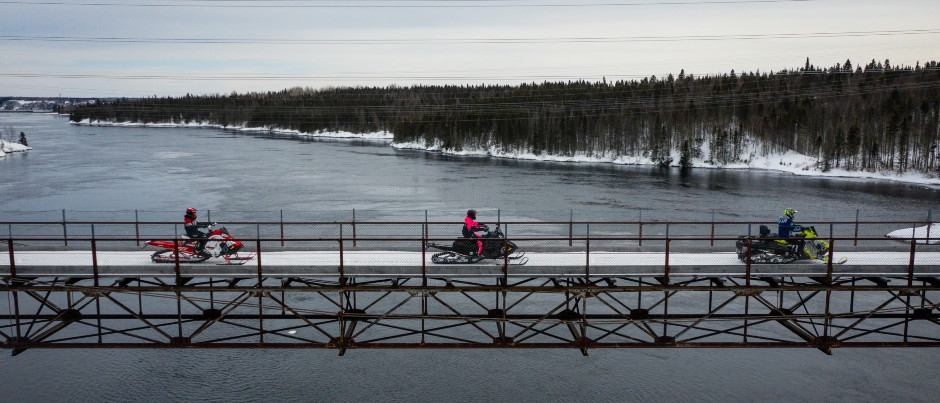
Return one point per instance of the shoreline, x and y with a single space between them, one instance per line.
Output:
206 125
790 162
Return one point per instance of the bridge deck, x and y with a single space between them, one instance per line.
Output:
413 264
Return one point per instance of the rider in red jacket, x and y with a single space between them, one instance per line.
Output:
192 227
471 227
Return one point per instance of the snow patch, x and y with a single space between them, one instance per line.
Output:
7 147
927 234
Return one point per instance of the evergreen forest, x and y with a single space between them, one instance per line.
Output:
877 117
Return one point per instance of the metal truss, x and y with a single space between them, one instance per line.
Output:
347 305
486 312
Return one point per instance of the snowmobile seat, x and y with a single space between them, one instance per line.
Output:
764 231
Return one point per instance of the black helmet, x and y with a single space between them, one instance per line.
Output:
472 214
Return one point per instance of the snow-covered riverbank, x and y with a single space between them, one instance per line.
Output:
790 162
272 130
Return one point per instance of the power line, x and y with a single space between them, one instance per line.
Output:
373 77
419 41
396 4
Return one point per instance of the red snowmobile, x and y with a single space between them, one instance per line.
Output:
218 244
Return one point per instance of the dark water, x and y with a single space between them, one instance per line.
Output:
110 172
105 169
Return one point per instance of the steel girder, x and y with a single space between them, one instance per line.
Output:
357 313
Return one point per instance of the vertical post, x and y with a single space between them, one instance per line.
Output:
424 255
342 274
587 260
137 227
856 227
828 322
260 315
584 323
747 311
282 227
713 227
209 215
179 314
929 224
666 267
571 228
94 255
98 307
505 262
12 260
258 256
907 315
258 248
342 271
641 228
910 267
354 226
747 262
176 258
16 299
666 310
65 233
140 298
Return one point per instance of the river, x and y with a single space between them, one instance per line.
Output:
112 173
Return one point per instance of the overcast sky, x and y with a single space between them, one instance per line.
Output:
104 48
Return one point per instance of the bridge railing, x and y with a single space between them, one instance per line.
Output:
588 249
70 231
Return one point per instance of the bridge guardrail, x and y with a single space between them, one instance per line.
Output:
284 230
584 245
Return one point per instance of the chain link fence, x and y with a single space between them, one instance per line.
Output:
409 229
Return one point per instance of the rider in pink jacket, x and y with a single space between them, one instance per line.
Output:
471 227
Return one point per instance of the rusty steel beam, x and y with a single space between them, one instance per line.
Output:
386 314
343 310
